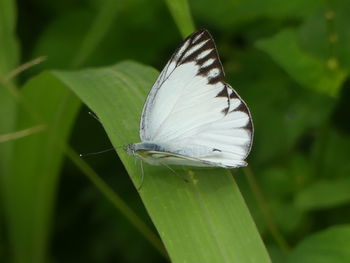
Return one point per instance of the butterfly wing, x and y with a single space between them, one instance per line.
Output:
190 106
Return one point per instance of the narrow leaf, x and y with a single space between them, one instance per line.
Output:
328 246
9 54
97 31
200 219
180 11
310 72
8 62
324 194
30 188
8 43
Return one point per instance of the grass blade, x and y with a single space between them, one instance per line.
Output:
327 246
308 71
101 25
180 11
203 220
30 190
8 43
9 53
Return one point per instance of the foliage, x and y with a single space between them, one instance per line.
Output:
289 62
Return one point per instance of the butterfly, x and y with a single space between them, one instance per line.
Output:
192 116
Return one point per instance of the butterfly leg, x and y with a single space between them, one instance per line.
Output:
142 177
171 169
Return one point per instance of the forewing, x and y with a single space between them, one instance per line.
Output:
177 77
190 104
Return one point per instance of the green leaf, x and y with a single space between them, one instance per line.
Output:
9 49
325 33
102 23
281 183
324 194
230 13
180 11
9 56
29 190
8 62
328 246
59 44
7 120
330 154
7 123
291 109
202 220
84 38
85 34
310 72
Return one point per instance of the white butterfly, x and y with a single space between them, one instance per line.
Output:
191 116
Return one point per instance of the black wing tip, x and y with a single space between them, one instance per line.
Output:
210 45
206 51
199 31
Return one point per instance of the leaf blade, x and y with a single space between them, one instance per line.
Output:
30 190
180 11
327 246
308 71
205 220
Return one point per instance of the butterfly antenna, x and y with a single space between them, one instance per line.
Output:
99 152
93 115
142 177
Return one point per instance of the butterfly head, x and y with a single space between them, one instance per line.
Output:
130 149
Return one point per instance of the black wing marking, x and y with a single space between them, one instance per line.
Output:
200 48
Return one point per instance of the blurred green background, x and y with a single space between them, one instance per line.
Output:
288 60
